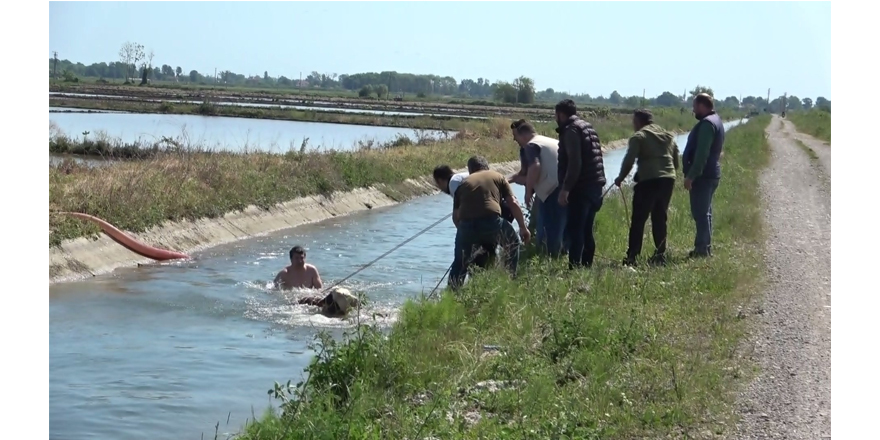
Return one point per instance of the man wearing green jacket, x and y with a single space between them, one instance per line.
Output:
656 151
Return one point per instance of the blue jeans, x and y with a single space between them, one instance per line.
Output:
583 204
701 193
535 221
553 221
472 234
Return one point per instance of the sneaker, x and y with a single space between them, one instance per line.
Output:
629 261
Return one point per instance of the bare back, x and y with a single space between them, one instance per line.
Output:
306 277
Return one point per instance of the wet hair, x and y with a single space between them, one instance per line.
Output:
705 100
644 116
516 124
525 128
443 172
477 163
567 107
297 250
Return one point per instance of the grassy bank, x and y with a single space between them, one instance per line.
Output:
207 108
606 353
816 123
136 195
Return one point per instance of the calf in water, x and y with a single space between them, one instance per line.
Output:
336 304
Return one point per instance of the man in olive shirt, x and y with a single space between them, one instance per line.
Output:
477 216
657 155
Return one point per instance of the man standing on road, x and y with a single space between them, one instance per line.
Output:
477 217
581 173
656 151
702 169
542 160
534 206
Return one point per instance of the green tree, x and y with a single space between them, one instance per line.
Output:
668 99
615 98
381 90
808 103
505 92
823 104
731 102
525 90
178 71
365 91
194 76
701 89
794 103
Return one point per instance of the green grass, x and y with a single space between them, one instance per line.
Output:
605 353
807 149
816 123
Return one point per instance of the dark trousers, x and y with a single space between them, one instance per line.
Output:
650 199
473 234
583 204
701 194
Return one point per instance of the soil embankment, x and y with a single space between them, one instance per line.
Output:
791 397
85 257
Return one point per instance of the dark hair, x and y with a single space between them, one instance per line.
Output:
644 116
516 124
705 100
443 172
525 128
297 250
567 107
477 163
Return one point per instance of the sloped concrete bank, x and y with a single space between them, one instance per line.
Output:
86 257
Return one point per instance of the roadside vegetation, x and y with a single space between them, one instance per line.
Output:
605 353
815 122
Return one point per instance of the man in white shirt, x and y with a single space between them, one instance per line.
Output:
541 159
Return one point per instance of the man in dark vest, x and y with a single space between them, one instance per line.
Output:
581 174
701 163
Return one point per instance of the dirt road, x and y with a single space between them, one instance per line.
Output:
791 397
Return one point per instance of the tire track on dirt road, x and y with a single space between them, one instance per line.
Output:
791 396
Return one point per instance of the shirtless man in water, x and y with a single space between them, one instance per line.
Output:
298 275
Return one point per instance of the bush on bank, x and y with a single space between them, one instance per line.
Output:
815 122
605 353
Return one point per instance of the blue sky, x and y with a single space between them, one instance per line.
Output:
737 48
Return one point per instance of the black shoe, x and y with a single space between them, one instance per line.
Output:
629 261
657 260
695 254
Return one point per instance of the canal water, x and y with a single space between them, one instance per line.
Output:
171 350
226 133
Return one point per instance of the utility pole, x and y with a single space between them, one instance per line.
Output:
215 75
300 80
784 101
55 65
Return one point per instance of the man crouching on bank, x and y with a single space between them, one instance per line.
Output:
476 212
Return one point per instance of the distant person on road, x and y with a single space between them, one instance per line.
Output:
520 179
702 169
477 216
656 153
542 161
336 304
298 275
581 174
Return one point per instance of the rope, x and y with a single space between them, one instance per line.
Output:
389 252
439 282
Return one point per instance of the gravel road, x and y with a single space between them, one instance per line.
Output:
791 397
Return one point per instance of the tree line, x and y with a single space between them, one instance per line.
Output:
135 65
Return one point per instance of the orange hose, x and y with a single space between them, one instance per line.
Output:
129 243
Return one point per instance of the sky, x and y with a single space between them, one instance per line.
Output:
737 48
